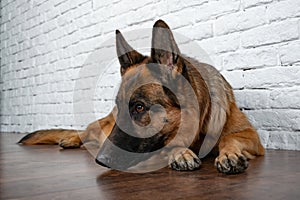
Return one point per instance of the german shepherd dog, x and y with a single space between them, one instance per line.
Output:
179 123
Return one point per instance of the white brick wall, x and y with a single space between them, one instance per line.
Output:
44 43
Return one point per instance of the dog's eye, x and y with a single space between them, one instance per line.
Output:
139 108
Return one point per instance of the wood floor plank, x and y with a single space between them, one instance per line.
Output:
47 172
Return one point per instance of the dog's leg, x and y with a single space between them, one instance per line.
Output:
180 157
235 149
238 143
72 138
66 138
99 130
183 159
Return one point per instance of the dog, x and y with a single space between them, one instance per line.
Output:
167 104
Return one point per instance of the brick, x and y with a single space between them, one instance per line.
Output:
270 34
161 9
283 140
194 50
200 31
83 9
277 140
221 44
252 58
235 78
292 143
239 21
252 3
252 99
283 9
90 31
289 53
46 6
177 5
53 14
215 61
272 77
115 23
214 9
134 4
275 119
181 18
100 110
58 2
34 32
285 98
99 4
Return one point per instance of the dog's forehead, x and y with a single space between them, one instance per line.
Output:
137 75
139 79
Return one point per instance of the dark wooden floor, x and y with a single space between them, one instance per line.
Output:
47 172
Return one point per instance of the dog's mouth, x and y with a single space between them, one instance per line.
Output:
122 163
117 163
113 157
121 151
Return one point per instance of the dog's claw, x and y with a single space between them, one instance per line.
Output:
231 163
184 160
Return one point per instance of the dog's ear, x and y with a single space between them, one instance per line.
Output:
126 54
164 49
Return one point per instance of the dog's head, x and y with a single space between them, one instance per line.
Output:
149 113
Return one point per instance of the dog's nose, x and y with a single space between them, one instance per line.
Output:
103 161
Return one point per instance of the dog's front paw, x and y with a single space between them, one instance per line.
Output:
183 159
231 163
69 143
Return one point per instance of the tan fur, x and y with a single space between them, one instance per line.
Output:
96 131
52 137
